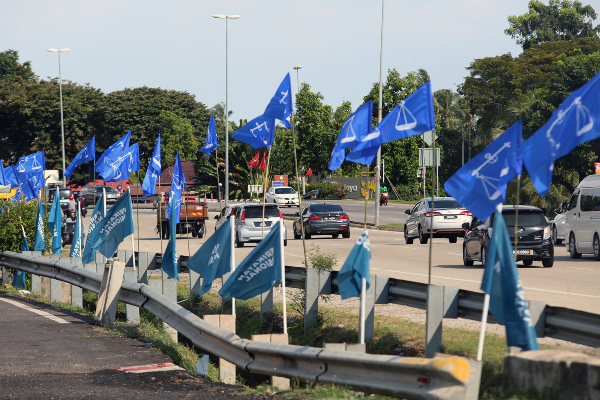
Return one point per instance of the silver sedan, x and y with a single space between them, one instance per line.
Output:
448 217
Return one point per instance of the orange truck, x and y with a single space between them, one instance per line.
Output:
194 214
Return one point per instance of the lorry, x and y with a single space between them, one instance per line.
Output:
194 214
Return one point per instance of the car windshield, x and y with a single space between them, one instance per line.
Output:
285 191
325 208
107 188
256 212
525 218
63 193
444 204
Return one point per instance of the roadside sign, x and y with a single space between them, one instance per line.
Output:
429 137
255 188
277 184
426 157
421 172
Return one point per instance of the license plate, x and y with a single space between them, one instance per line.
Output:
450 216
523 252
330 219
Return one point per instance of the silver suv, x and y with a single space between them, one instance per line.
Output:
248 222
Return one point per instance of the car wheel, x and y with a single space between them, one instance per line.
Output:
422 238
335 235
548 262
572 247
285 242
346 235
483 256
237 242
527 263
555 238
306 234
466 261
453 239
596 247
296 236
407 240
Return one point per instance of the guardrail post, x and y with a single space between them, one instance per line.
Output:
537 309
276 381
126 257
370 310
353 347
317 282
382 289
5 277
195 285
76 291
227 322
435 315
108 299
65 288
147 261
266 303
55 285
36 280
132 312
451 301
169 290
225 301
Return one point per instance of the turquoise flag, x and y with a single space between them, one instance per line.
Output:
77 236
169 260
89 254
39 242
55 223
355 268
19 278
116 226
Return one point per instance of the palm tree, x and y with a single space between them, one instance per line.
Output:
448 109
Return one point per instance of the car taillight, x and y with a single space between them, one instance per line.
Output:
280 214
243 217
428 213
231 213
345 216
467 213
314 218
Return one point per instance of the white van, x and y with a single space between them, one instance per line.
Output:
582 226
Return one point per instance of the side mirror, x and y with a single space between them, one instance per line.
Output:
564 205
297 214
407 212
465 225
216 217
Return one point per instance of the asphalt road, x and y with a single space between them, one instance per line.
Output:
570 283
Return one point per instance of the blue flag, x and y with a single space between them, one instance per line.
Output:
355 128
412 116
258 133
177 184
89 253
259 270
10 174
116 226
77 241
575 121
153 171
355 268
480 185
507 299
112 152
120 168
36 182
219 246
211 137
55 225
28 165
169 260
86 154
39 242
27 191
3 180
280 107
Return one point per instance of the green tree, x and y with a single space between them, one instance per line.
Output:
559 20
12 70
177 136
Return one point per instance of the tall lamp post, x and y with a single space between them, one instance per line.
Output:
379 110
297 68
226 18
62 124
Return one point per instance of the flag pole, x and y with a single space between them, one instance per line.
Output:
517 216
218 183
132 235
281 229
158 210
366 196
363 295
432 208
265 192
187 225
138 213
232 265
298 189
484 315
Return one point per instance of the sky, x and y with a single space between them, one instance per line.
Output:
176 44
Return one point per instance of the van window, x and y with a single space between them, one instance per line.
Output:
573 202
596 200
587 200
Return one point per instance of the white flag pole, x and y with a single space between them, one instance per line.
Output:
232 266
363 295
282 229
484 315
132 235
80 227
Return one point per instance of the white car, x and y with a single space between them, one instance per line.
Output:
282 196
448 220
558 228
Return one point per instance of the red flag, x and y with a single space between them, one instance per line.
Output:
263 163
254 162
309 172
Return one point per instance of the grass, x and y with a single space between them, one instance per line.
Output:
391 227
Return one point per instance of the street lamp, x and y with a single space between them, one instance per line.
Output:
226 18
298 67
62 125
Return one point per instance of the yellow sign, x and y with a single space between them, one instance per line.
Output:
8 195
368 188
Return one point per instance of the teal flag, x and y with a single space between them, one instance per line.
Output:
19 278
39 242
89 254
77 236
116 226
55 224
355 268
169 260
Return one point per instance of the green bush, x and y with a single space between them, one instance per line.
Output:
12 216
329 190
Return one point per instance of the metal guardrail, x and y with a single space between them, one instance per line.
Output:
443 377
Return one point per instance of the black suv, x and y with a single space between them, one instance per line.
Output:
535 239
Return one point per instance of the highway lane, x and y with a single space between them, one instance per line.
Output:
570 283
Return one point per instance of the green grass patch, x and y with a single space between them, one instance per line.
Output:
393 227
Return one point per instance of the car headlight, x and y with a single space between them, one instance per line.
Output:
546 233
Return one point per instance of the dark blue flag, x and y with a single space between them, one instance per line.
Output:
19 278
211 137
36 182
259 270
10 174
220 248
39 242
177 184
112 152
280 107
169 260
575 121
89 253
86 154
356 267
55 224
507 299
28 165
27 190
3 180
116 226
258 133
153 171
480 185
412 116
355 128
120 168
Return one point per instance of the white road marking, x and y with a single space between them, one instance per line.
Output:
294 255
36 311
587 269
454 254
528 288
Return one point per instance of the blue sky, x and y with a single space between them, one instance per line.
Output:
178 45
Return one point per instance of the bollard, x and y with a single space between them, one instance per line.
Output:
276 381
132 312
227 322
435 315
108 299
266 303
76 291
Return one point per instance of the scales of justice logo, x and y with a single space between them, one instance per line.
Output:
260 127
490 183
405 120
22 165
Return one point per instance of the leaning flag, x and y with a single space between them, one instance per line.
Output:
263 163
571 124
10 174
356 267
177 185
480 185
77 241
116 226
259 270
355 128
86 154
120 168
258 133
211 137
153 171
255 160
39 242
309 172
219 246
412 116
280 107
501 281
113 151
169 260
54 225
29 165
89 254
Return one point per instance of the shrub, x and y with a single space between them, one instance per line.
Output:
329 190
13 214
